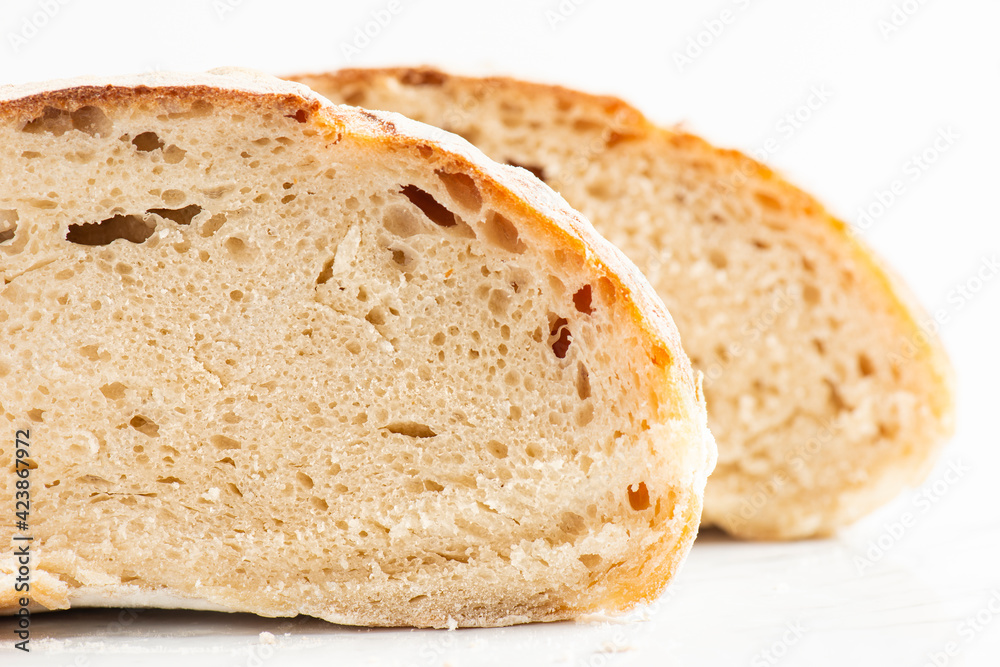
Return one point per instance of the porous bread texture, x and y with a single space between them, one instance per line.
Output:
827 392
283 357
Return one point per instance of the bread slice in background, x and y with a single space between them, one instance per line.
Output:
283 357
824 393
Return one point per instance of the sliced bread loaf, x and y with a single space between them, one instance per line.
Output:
277 356
825 393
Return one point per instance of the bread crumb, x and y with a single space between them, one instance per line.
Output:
452 623
266 638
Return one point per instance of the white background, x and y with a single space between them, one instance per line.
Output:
881 93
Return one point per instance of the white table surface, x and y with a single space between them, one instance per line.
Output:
877 594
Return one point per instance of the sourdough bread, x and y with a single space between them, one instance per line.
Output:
284 357
824 393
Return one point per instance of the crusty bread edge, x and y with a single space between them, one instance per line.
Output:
512 186
913 329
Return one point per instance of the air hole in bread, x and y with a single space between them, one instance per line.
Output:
132 228
198 109
462 189
301 116
582 382
502 233
212 225
767 201
402 222
497 449
239 249
182 216
403 257
810 294
36 415
411 429
499 302
717 259
888 431
89 120
639 497
836 399
591 561
304 480
560 337
169 480
8 224
376 316
144 425
430 207
92 352
326 272
224 442
147 142
865 365
53 121
538 172
172 154
431 485
583 300
113 391
572 523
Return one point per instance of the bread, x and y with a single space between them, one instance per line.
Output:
827 390
284 357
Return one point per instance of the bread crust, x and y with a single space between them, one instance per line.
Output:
672 378
935 385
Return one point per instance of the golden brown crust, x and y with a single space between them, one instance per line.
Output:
672 375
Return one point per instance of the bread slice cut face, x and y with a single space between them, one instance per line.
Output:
828 390
284 357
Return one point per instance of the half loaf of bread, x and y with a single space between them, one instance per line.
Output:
826 391
278 356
